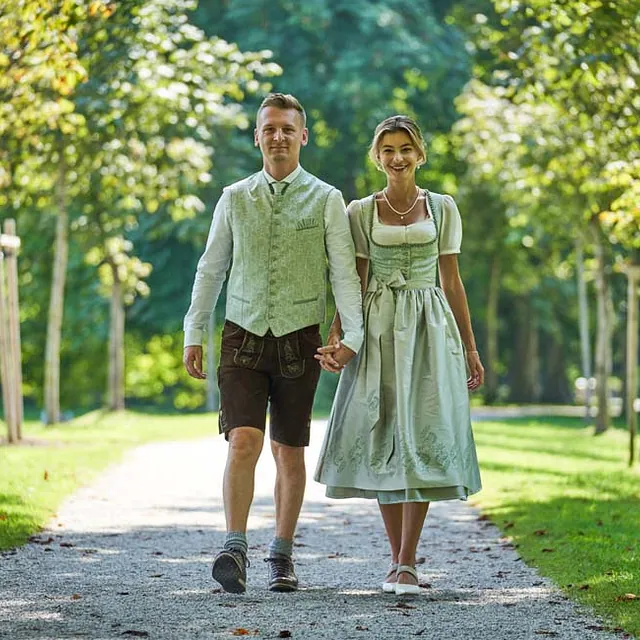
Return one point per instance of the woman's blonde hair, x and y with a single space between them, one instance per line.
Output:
391 125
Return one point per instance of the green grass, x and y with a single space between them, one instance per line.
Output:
570 504
53 462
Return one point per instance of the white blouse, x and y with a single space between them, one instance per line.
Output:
420 232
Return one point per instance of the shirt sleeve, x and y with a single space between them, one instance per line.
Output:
450 227
344 278
354 211
210 274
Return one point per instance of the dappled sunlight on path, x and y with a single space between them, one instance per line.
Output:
130 556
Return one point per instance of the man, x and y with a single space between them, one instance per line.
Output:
278 228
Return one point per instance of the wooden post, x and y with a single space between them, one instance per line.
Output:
633 281
14 324
10 368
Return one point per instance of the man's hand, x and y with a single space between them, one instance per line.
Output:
192 359
334 357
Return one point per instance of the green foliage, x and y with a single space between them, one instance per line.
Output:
134 137
138 111
561 96
352 64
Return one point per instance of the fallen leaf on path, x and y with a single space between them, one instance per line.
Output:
628 597
401 605
285 633
76 596
245 632
362 628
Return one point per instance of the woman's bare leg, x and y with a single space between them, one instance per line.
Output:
413 516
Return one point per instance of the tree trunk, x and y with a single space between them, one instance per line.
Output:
525 368
585 342
602 335
56 307
491 360
115 392
633 275
555 388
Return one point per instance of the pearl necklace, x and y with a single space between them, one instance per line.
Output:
402 214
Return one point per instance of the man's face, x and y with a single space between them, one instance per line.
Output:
280 134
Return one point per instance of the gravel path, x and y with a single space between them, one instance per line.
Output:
130 557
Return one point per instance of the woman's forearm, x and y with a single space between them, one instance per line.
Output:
457 298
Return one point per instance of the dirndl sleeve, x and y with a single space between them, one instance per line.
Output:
451 227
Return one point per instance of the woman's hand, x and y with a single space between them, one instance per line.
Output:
334 357
476 370
326 354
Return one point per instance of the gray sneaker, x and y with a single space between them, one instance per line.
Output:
230 570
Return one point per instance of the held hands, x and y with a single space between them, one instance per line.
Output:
192 360
335 355
476 370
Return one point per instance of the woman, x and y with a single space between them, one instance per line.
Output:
400 430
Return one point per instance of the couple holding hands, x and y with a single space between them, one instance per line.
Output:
399 429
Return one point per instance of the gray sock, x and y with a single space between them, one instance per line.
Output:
236 540
281 547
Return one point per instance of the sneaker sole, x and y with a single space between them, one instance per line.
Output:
225 571
282 587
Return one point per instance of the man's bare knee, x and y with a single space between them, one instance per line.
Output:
288 458
245 443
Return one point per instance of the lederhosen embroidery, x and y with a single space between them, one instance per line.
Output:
290 356
248 355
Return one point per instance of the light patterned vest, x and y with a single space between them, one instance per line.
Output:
279 264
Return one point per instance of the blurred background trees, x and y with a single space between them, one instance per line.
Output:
122 121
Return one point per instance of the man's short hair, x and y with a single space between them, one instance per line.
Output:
283 101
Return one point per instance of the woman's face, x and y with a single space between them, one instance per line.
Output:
397 155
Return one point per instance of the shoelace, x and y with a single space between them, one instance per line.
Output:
242 556
281 564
